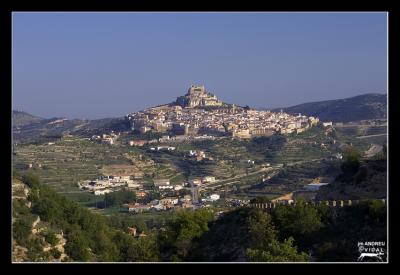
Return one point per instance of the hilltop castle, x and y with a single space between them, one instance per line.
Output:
197 96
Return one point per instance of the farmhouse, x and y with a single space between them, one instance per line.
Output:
161 182
138 208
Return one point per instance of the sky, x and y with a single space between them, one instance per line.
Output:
97 65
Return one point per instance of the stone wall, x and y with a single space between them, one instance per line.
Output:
339 203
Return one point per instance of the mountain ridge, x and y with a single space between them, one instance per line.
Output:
360 107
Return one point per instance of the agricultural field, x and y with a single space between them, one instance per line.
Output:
239 166
63 164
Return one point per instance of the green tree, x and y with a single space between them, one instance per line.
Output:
105 249
377 210
182 228
119 197
51 238
35 250
143 250
77 246
55 253
351 163
298 221
277 252
31 180
22 231
265 246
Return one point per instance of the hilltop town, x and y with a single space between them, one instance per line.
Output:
199 112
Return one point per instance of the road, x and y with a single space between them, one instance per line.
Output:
236 178
378 135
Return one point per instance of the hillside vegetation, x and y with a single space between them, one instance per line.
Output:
28 128
370 181
288 233
362 107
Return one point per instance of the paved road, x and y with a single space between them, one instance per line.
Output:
372 136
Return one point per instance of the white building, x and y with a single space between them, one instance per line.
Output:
161 182
178 187
214 197
163 187
208 179
102 192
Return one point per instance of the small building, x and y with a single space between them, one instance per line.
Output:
208 179
186 204
144 129
101 192
138 208
214 197
163 187
195 181
178 187
140 194
137 142
168 201
161 182
159 207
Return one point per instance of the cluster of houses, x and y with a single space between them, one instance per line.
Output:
163 148
199 155
169 203
106 139
107 184
170 139
201 181
163 184
227 119
162 204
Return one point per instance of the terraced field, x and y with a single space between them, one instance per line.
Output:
362 136
64 163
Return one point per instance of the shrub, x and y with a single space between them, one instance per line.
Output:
51 238
21 231
31 180
55 253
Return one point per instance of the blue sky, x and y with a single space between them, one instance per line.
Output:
95 65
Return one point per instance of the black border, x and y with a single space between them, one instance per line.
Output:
8 6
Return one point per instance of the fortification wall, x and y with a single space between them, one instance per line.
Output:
338 203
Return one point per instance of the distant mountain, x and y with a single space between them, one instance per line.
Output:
30 128
20 118
367 106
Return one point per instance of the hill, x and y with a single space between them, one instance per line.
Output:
20 118
367 106
291 233
48 227
29 128
370 181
